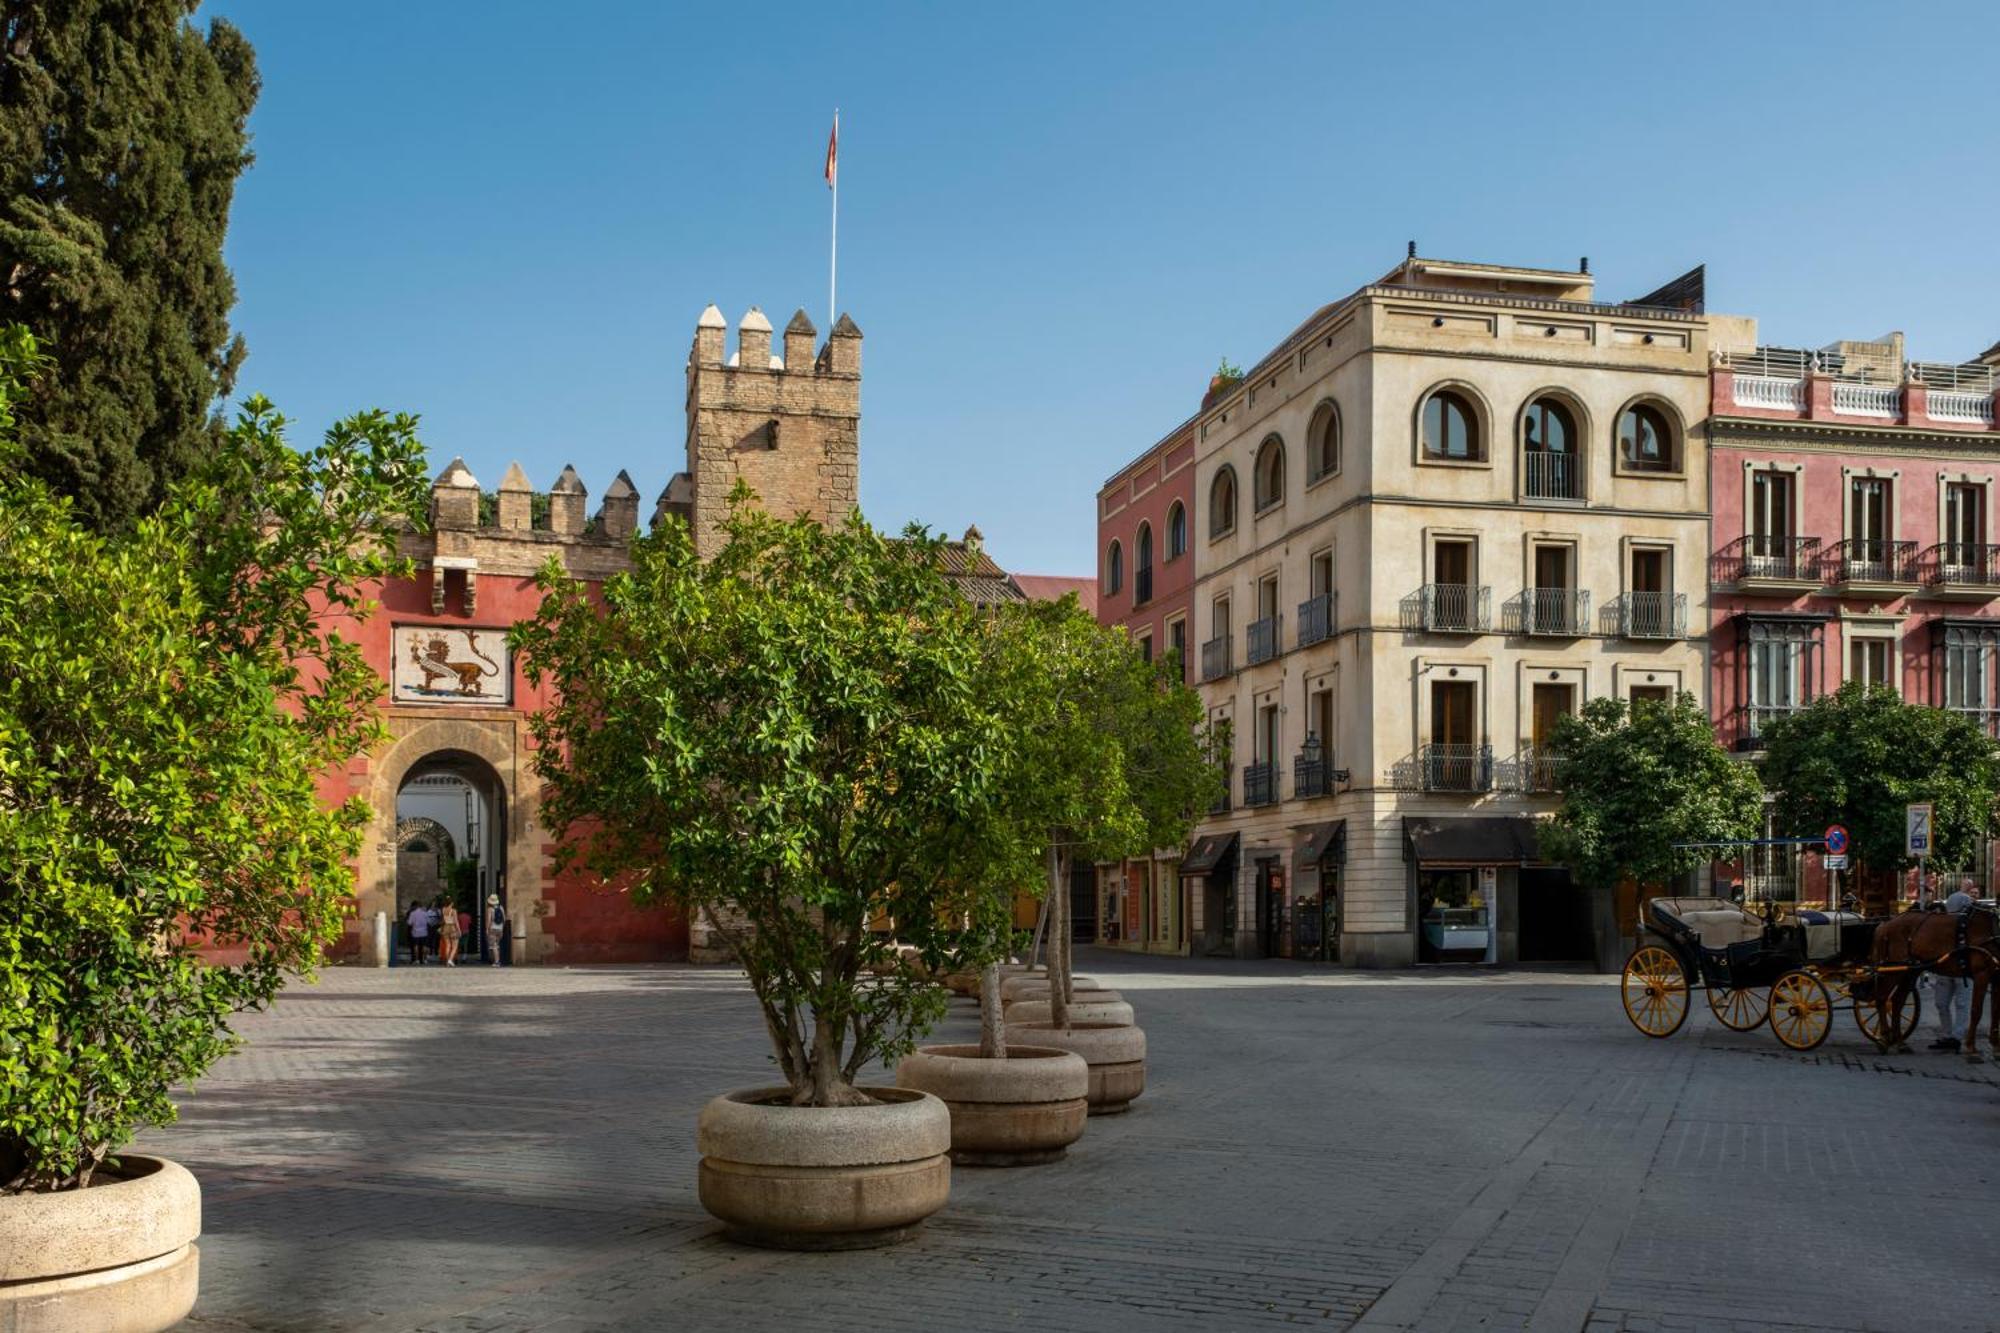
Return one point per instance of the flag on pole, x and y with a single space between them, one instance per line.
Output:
833 152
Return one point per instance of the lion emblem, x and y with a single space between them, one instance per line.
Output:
433 658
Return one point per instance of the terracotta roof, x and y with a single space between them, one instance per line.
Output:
976 575
1054 587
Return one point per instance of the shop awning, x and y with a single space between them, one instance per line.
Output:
1493 840
1325 844
1208 853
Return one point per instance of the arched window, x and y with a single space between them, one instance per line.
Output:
1270 474
1451 428
1646 440
1114 570
1550 466
1176 531
1222 504
1323 442
1142 567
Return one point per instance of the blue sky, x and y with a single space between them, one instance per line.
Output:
1054 218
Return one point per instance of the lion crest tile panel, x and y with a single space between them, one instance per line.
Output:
451 664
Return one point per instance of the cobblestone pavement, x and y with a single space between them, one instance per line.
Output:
473 1151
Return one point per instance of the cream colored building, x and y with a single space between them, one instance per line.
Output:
1448 508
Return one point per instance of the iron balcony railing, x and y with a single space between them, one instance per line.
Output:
1961 564
1653 615
1309 775
1456 767
1555 611
1872 560
1260 640
1455 608
1215 662
1760 556
1757 719
1316 619
1260 784
1220 806
1538 769
1547 476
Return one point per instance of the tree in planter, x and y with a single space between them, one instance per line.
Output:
795 738
1115 761
168 699
1858 756
1635 780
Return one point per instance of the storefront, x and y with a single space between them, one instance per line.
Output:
1473 882
1316 883
1209 872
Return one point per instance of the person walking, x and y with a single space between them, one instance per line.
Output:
448 933
496 929
419 921
1952 995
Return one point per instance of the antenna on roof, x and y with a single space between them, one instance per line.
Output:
1584 264
1413 249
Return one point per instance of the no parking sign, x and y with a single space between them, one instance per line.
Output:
1836 840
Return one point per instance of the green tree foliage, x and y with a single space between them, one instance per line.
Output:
122 133
1635 780
1858 756
169 696
800 739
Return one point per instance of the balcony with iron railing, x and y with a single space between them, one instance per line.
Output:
1215 658
1449 608
1652 615
1760 562
1553 612
1260 784
1551 476
1867 562
1312 771
1315 619
1456 768
1537 769
1754 720
1966 570
1261 640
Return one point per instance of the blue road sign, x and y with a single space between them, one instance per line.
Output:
1836 840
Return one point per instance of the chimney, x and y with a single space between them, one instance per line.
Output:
455 497
566 500
799 338
753 341
618 518
517 512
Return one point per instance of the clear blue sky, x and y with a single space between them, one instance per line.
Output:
1055 219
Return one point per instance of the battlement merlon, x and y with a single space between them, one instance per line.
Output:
840 357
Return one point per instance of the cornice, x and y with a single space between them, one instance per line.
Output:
1846 437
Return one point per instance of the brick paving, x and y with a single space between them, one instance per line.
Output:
479 1151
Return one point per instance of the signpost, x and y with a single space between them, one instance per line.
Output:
1917 838
1836 860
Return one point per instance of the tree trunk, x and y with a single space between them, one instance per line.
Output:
1059 943
1041 927
1068 929
992 1026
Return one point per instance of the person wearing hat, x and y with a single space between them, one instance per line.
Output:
496 928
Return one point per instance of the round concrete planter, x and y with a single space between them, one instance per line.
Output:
824 1177
1035 986
1085 1006
118 1257
1025 1109
1115 1053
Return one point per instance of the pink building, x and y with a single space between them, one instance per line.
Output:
1854 537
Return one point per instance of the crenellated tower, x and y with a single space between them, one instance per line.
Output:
786 423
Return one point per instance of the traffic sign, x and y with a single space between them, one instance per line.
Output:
1917 829
1836 840
1836 860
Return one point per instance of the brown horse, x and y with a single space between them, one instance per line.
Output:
1922 941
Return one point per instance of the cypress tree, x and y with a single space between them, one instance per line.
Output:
122 133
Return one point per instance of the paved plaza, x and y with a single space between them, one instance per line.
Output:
472 1151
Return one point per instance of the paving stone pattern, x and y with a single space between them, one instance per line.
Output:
484 1151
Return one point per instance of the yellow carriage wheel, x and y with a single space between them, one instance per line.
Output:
1875 1028
1801 1011
1739 1010
1655 991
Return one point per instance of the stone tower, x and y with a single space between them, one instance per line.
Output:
786 423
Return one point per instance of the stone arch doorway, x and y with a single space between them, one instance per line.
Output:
452 804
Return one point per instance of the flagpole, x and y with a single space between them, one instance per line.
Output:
833 254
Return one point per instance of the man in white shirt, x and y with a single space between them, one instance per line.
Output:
420 931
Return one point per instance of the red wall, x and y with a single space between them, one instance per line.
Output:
1143 493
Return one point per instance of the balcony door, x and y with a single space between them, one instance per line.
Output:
1451 579
1649 611
1451 713
1550 704
1322 573
1965 525
1552 589
1319 718
1868 524
1771 516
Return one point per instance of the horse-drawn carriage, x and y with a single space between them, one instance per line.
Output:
1753 968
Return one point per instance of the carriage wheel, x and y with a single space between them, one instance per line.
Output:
1739 1010
1655 991
1801 1011
1913 1010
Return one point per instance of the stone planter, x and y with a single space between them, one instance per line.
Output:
1115 1053
118 1257
824 1177
1025 1109
1035 986
1085 1006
